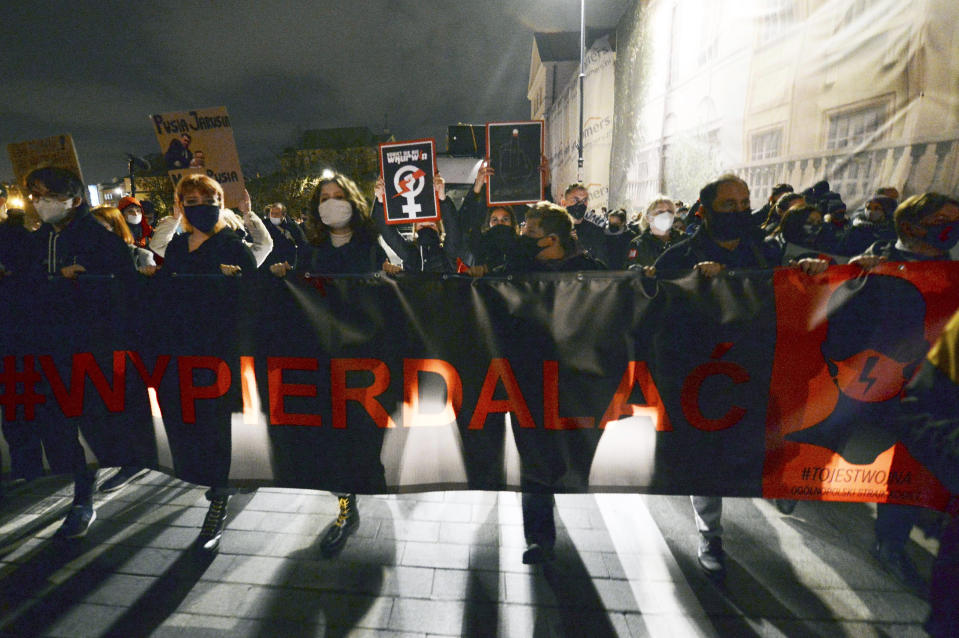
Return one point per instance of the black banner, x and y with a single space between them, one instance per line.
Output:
563 382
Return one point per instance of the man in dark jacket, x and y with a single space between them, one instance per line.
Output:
927 226
289 242
68 243
728 238
548 246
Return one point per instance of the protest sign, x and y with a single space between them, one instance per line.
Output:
407 169
514 151
50 151
201 141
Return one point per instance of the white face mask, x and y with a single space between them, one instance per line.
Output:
52 210
134 219
662 222
276 221
336 213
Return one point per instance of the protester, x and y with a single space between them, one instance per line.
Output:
289 242
341 234
874 223
778 210
800 234
114 221
15 245
728 238
487 234
206 247
140 229
761 215
548 246
929 430
426 252
71 242
659 233
344 240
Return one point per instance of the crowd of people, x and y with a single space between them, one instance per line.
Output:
344 233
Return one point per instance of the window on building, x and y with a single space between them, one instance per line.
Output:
854 179
766 145
852 128
777 17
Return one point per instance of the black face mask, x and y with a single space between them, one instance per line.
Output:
729 226
428 237
528 248
942 236
500 238
577 211
614 229
203 217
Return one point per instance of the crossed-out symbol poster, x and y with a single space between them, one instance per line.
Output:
407 169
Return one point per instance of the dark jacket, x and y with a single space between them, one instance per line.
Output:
17 251
222 248
645 249
82 241
359 256
289 244
572 263
888 249
416 257
751 253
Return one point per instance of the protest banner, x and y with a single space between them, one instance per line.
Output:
407 169
762 383
201 141
514 151
50 151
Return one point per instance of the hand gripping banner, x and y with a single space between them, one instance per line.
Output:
766 383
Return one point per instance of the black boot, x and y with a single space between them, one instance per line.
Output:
209 539
339 530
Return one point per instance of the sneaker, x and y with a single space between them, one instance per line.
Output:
711 556
339 530
77 522
895 561
786 505
126 475
209 538
536 554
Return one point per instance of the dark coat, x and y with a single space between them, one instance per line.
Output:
82 241
225 247
751 253
289 244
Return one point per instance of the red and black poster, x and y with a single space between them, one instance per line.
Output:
407 169
515 152
762 383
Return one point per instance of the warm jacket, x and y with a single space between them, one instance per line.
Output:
222 248
82 241
751 253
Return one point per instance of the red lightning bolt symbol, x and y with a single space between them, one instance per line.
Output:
407 182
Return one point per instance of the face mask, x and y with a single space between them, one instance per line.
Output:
203 217
810 229
52 210
134 219
614 229
335 213
942 236
528 247
428 237
578 211
276 221
662 223
874 215
728 226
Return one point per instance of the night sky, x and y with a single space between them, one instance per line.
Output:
96 70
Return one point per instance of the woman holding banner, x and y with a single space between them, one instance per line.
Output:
343 240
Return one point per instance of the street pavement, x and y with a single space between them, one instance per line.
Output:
440 564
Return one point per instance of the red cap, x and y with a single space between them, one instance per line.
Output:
129 201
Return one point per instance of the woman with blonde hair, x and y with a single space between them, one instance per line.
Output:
114 221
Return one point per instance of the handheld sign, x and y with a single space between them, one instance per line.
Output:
407 169
514 152
50 151
201 141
